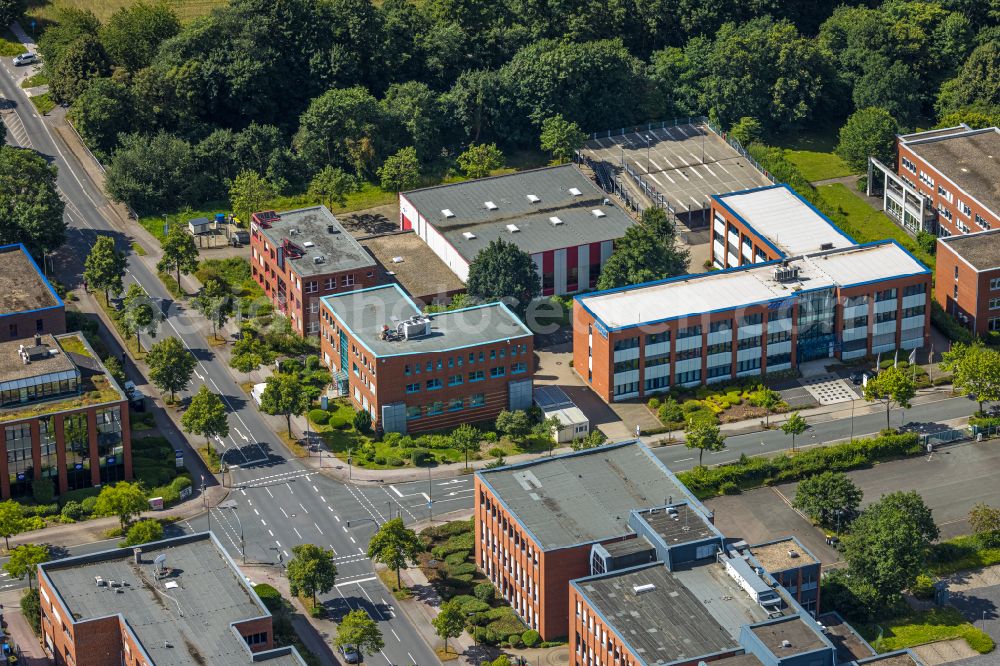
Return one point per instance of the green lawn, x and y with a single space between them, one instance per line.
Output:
44 103
961 554
864 223
9 45
39 79
815 165
926 627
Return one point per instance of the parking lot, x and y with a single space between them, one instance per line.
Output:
685 163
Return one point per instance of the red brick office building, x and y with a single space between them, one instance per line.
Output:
114 608
794 289
967 281
944 181
299 256
415 372
536 522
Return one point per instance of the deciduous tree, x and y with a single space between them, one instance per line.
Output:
249 192
648 251
504 272
767 399
206 416
215 302
170 365
11 520
479 160
400 171
284 395
892 386
24 561
180 254
795 425
32 211
465 438
975 370
869 132
332 185
249 353
888 544
358 630
132 35
516 424
144 531
828 494
449 622
311 570
704 437
104 109
124 500
985 523
104 267
395 546
83 61
138 314
561 137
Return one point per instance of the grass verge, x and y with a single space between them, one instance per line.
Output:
922 627
388 578
815 165
39 79
44 103
138 249
961 554
170 282
134 350
864 223
211 458
10 46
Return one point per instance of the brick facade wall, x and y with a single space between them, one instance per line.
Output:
950 216
302 293
23 325
963 291
385 380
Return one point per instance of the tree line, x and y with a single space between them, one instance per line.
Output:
289 88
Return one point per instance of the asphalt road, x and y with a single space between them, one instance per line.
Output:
283 503
921 418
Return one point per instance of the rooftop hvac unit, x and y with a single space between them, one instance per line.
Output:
415 327
447 212
575 191
397 260
792 554
332 229
512 228
293 231
533 198
555 221
598 213
319 259
642 589
786 644
309 244
785 273
468 235
826 246
490 205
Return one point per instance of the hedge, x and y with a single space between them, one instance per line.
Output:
752 472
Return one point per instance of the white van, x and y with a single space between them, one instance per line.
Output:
257 392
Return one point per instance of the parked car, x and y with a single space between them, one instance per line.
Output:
351 655
136 399
25 59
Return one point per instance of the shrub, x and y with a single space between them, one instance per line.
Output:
653 404
33 523
319 416
515 641
420 457
379 460
270 596
362 421
394 461
456 558
923 587
496 452
31 609
41 510
73 511
461 569
491 436
88 503
485 592
337 422
144 531
692 406
531 638
729 488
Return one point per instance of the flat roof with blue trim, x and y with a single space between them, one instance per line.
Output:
366 311
757 284
23 287
784 219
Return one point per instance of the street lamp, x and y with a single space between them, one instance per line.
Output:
231 504
648 162
349 472
208 508
430 497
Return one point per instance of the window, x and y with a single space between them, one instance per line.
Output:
625 366
412 413
687 377
720 348
256 639
886 295
720 370
433 384
689 354
750 343
724 325
915 289
499 371
778 359
653 361
109 445
654 338
955 292
882 317
435 408
312 287
914 311
657 383
626 388
329 284
908 165
856 322
993 324
347 280
406 369
455 404
476 376
995 304
964 208
626 343
455 380
779 336
12 330
518 368
413 388
981 221
430 366
39 325
688 332
477 400
749 364
493 354
20 464
752 320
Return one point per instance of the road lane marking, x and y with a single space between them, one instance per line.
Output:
303 507
352 539
269 492
283 511
315 489
355 582
395 634
295 529
317 528
271 533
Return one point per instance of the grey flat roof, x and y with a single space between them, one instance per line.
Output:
970 159
364 312
684 526
583 497
193 617
738 660
982 249
803 638
536 231
311 225
628 546
421 272
45 363
682 617
23 288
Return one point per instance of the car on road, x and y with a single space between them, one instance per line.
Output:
351 655
25 59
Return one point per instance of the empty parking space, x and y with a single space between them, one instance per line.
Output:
685 163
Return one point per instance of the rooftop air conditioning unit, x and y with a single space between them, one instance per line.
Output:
826 246
319 259
293 231
792 554
642 589
414 327
309 244
397 260
331 229
785 273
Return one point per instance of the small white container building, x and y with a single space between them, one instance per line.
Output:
553 401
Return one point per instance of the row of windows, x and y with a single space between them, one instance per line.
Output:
459 361
414 412
981 221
